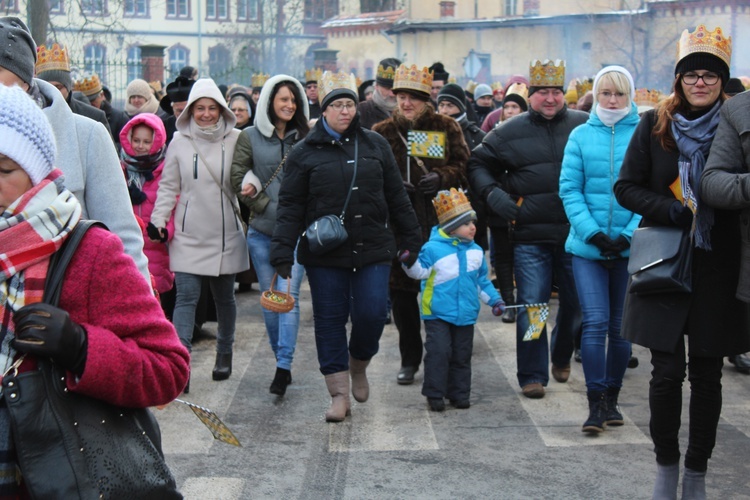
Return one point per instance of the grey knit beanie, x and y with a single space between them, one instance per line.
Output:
27 135
17 48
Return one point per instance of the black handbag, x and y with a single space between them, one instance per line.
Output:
327 233
73 446
660 260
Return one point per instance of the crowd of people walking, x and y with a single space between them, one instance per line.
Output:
387 199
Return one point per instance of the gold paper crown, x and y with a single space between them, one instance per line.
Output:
471 86
331 81
388 72
52 58
547 73
520 89
313 75
450 204
496 86
646 97
90 86
583 86
259 80
701 40
413 78
451 79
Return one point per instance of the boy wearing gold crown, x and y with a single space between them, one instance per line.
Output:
452 269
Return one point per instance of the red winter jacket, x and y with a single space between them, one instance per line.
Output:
135 358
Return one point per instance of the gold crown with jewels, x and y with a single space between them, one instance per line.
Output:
583 85
388 72
471 86
313 75
51 58
90 86
413 78
259 80
450 204
646 97
702 40
547 73
331 81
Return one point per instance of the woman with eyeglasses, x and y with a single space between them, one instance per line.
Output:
242 106
660 180
341 166
599 239
258 168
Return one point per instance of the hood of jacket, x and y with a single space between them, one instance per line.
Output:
205 87
262 114
439 236
151 121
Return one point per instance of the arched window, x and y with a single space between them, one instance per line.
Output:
135 68
179 57
219 61
95 60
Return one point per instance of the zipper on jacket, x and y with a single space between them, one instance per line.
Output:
184 215
221 196
195 165
611 183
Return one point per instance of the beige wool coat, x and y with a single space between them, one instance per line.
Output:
208 238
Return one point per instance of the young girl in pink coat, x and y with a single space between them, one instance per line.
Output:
143 140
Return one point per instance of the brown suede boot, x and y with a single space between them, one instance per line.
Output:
338 388
360 386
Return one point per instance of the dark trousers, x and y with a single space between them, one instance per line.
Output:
665 401
405 311
503 261
447 360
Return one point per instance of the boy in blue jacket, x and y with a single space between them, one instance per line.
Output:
454 277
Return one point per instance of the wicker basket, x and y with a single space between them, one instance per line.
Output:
275 301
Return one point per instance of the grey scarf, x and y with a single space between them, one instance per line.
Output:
694 138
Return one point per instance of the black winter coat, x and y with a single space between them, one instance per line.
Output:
370 114
523 157
317 177
715 322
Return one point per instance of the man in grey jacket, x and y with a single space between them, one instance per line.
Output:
85 152
725 184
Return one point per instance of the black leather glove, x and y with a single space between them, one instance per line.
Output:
47 331
621 243
680 215
284 270
603 242
502 204
429 183
410 189
408 258
157 234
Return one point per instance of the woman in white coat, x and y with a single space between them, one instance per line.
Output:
208 240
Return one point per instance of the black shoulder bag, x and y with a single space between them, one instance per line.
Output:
71 446
327 233
660 260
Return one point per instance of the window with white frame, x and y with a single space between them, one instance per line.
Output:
217 9
247 10
93 7
135 67
178 9
510 7
56 7
219 61
8 7
179 57
94 60
136 8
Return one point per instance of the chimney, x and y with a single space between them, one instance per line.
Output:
447 9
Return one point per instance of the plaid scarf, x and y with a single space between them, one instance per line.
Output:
31 230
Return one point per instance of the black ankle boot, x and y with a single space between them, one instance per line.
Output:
509 316
282 379
222 367
597 412
613 415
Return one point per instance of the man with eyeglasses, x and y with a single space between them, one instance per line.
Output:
516 170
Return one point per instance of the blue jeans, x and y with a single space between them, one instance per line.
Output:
189 291
535 268
338 293
602 286
281 328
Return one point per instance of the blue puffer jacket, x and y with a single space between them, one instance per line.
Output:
590 168
454 279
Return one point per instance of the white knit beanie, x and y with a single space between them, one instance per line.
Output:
26 134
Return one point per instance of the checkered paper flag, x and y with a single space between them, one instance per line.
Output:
214 424
538 314
426 144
